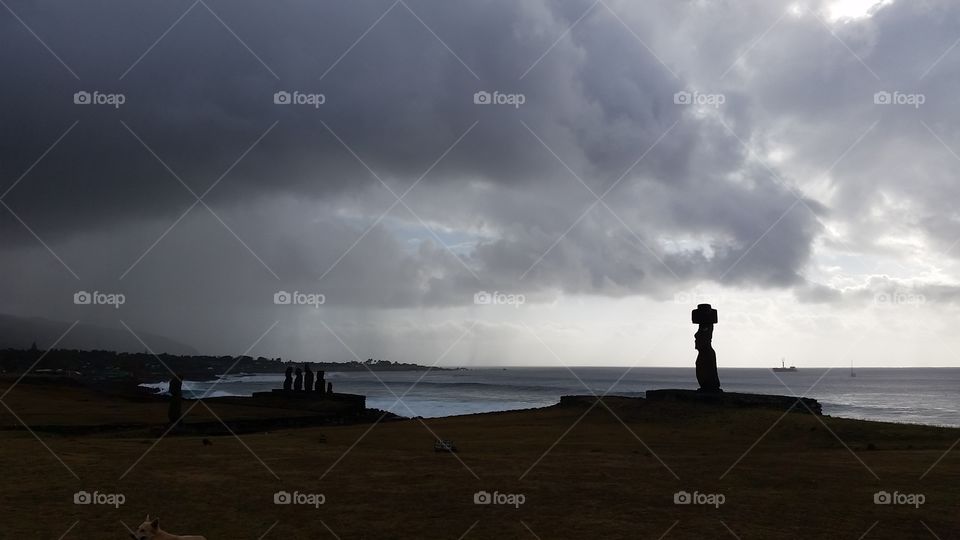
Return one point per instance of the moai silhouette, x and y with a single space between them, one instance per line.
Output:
321 384
307 378
707 376
298 381
176 396
288 378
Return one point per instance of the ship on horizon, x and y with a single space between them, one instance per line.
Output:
783 367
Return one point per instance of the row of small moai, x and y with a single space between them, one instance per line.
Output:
304 381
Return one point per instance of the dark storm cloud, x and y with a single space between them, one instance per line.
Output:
698 206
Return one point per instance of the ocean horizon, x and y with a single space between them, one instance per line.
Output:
928 396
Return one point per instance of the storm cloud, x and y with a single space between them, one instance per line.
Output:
656 146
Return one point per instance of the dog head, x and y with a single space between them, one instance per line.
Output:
147 530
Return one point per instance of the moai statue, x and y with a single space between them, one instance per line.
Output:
288 378
307 378
176 395
705 317
329 388
321 384
298 381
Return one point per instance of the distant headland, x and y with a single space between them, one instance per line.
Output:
98 364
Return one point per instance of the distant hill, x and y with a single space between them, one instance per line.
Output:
21 332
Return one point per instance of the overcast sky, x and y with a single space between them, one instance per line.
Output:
603 165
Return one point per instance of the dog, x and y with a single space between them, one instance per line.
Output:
150 530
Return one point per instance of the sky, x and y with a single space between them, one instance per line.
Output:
487 182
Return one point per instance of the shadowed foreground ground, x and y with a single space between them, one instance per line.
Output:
385 481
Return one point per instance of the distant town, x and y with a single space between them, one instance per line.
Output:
149 367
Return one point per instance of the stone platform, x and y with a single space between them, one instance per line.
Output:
353 403
735 399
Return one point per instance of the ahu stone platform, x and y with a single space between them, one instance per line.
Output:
320 401
735 399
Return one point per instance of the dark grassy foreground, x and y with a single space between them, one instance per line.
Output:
598 481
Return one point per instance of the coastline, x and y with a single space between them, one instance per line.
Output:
917 396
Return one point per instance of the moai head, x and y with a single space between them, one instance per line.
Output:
706 317
704 314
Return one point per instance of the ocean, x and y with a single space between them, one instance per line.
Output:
908 395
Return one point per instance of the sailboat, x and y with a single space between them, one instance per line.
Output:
783 367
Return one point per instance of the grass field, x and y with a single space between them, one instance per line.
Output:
597 474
